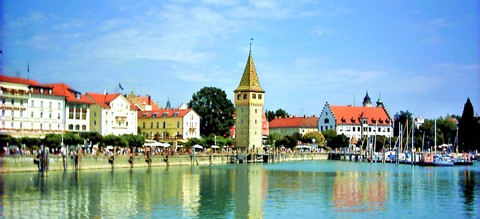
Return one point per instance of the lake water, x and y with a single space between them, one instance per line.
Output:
306 189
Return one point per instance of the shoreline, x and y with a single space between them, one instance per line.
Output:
24 163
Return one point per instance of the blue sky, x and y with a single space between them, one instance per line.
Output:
420 56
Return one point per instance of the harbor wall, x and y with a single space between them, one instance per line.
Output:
25 163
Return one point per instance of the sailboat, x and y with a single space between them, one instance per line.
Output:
435 159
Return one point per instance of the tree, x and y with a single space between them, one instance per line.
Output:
53 140
329 135
215 111
402 118
274 138
319 138
280 113
339 141
72 139
134 140
93 137
467 128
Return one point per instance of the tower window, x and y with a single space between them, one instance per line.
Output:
254 96
244 96
239 96
259 96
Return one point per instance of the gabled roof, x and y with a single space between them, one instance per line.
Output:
69 93
102 100
163 113
295 122
18 80
249 81
353 114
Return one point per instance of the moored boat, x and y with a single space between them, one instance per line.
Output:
435 160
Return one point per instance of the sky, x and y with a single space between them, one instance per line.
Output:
421 56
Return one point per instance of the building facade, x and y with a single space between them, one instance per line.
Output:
249 100
357 121
169 124
112 114
291 125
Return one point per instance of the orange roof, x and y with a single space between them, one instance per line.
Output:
102 100
293 122
353 114
163 113
18 80
69 93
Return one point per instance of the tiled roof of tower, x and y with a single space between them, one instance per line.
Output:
102 99
292 122
249 81
69 93
351 115
163 113
18 80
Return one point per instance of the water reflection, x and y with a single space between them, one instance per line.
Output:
358 192
328 189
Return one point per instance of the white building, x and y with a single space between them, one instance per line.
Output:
112 114
357 121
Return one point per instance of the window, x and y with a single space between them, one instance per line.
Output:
259 96
31 115
21 102
58 105
41 114
70 127
151 125
178 124
77 127
84 128
154 115
326 120
50 105
84 114
244 96
158 125
239 96
254 96
3 100
13 101
163 125
77 113
41 104
58 116
94 123
50 115
143 125
70 113
32 103
164 114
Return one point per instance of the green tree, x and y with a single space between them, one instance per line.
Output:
134 140
274 138
402 118
93 137
281 113
53 140
215 111
72 139
329 135
467 129
339 141
319 138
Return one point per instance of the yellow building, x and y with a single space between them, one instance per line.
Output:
169 124
249 102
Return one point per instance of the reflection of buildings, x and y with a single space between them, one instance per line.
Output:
191 195
358 192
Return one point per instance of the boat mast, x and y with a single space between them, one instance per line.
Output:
435 141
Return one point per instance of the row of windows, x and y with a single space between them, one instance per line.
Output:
32 114
12 125
254 96
77 113
77 127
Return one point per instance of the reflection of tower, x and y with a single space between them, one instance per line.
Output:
249 101
249 193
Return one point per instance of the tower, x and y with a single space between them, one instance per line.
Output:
249 102
367 102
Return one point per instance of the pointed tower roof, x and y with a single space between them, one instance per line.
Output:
249 80
366 100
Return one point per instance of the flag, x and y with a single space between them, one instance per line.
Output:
120 86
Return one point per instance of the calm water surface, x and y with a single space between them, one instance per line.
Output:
307 189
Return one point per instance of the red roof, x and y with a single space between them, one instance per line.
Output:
353 114
294 122
163 113
18 80
69 93
102 99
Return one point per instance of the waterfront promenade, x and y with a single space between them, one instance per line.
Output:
24 163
